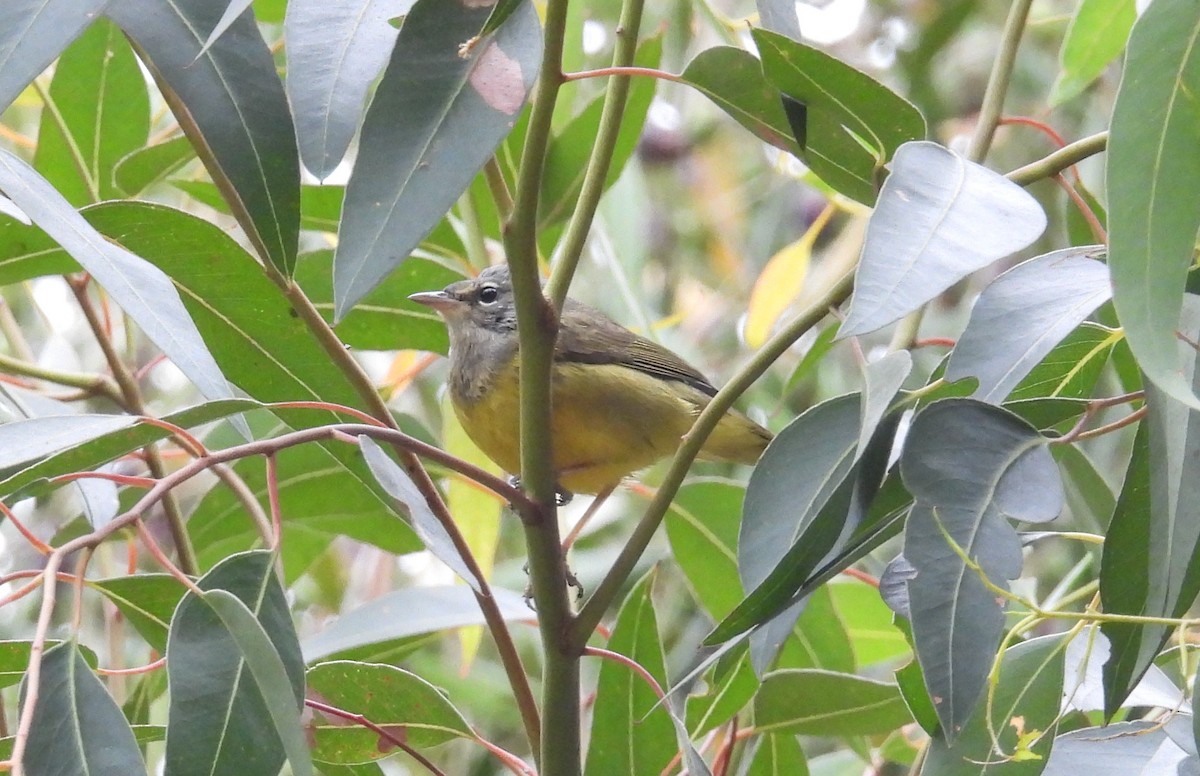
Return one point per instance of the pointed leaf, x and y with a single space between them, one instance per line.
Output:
1023 314
938 219
1151 560
824 703
219 719
969 465
142 290
1095 37
33 33
882 379
233 9
398 701
1141 748
99 112
401 488
843 110
1154 204
627 735
733 79
435 119
335 51
147 166
232 107
1026 703
409 612
77 726
147 601
25 441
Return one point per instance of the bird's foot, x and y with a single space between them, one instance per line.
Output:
562 496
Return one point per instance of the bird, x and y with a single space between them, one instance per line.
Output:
620 402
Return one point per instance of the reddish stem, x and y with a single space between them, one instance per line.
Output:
629 663
273 501
608 71
359 719
120 479
157 664
37 543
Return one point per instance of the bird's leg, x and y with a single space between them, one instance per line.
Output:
588 514
562 496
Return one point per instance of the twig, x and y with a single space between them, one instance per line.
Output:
997 86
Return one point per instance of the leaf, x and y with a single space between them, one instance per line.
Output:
969 465
1151 560
435 119
98 112
779 16
145 167
269 673
1070 371
1095 37
147 601
233 9
232 107
631 731
142 291
408 612
1023 314
65 446
1141 748
398 701
1026 701
777 755
430 530
1150 174
219 720
14 659
33 33
882 379
702 526
385 319
1084 690
868 622
917 246
733 79
778 285
851 123
335 50
77 726
824 703
728 692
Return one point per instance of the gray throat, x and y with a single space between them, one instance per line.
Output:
476 358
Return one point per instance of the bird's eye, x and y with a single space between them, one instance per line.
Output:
488 294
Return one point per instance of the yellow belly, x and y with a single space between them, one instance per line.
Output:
607 422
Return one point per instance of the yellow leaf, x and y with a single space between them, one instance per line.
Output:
475 510
781 282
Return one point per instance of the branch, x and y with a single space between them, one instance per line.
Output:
1053 164
997 87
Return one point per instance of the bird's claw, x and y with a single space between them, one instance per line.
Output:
562 496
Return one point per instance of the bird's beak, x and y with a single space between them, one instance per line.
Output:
438 300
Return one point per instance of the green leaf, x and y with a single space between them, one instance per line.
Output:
145 167
219 720
914 248
1151 560
728 692
825 703
396 700
843 109
702 526
1154 204
1071 370
141 290
1095 38
436 118
77 726
627 735
26 252
1023 314
147 601
269 673
98 111
33 33
14 659
969 465
83 442
778 755
230 103
733 79
868 622
335 52
385 319
405 613
1025 707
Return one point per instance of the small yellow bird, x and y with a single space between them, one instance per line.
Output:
621 402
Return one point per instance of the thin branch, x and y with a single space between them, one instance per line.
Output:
997 86
622 70
92 383
1052 164
379 730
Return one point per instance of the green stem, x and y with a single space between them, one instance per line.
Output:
607 591
997 86
341 357
95 384
499 188
131 400
537 328
1049 166
594 179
